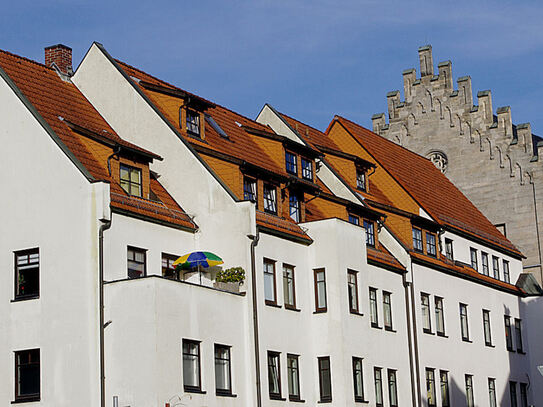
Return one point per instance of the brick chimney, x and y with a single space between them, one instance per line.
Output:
61 56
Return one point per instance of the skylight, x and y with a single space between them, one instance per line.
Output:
217 128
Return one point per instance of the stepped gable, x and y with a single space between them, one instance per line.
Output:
421 179
86 134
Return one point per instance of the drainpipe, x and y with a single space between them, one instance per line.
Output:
254 242
409 339
103 227
415 337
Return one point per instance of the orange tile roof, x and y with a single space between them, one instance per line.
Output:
282 226
382 256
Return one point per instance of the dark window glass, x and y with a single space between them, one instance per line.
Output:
444 383
131 180
473 256
373 308
274 375
320 290
294 207
358 379
496 267
440 318
431 248
417 240
484 263
27 375
27 274
486 328
370 233
290 162
289 293
513 393
506 277
307 169
223 377
352 290
325 379
378 381
270 201
136 262
492 392
354 219
469 390
269 282
249 189
387 311
191 365
430 387
464 322
168 269
518 335
392 388
193 123
361 180
523 395
449 249
508 333
293 372
426 318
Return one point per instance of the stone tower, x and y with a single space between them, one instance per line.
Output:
495 163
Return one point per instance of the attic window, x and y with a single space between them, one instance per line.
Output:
307 169
131 180
290 162
216 127
361 179
193 123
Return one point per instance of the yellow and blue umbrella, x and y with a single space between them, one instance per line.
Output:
197 259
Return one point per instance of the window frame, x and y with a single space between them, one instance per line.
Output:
358 398
228 391
197 123
129 169
431 244
444 388
374 309
128 260
270 201
418 245
518 335
387 311
248 193
361 180
266 261
474 259
291 164
350 287
305 169
355 220
17 374
470 399
523 394
492 392
290 376
277 357
169 257
369 227
496 267
449 249
26 253
426 317
392 387
508 333
323 397
296 215
513 393
431 395
316 288
187 388
464 316
487 326
484 263
440 316
289 305
378 386
506 273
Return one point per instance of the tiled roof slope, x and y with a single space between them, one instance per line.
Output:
428 186
61 104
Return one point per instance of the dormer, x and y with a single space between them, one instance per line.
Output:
362 168
192 121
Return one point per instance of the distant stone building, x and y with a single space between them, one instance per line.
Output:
496 163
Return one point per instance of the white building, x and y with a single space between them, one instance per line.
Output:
328 313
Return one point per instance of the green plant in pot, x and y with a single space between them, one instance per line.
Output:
231 275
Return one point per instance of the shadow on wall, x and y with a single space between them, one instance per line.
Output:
457 394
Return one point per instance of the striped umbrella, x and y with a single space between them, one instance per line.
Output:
197 260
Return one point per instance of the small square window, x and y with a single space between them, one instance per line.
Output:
136 262
27 375
131 180
27 274
193 123
354 219
168 269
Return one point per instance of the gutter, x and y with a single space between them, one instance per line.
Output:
254 243
103 227
409 339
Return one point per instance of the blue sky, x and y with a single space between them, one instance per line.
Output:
308 58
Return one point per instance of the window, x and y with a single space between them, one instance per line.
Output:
484 263
131 180
294 207
392 388
469 390
444 383
440 318
373 308
518 335
492 392
473 254
223 377
168 269
430 387
270 293
464 322
361 180
27 375
270 202
307 169
249 189
417 240
449 249
191 366
290 162
387 311
426 320
508 333
289 295
274 375
352 289
354 219
293 373
27 274
320 290
486 328
193 123
496 267
378 381
358 379
513 393
325 379
431 249
136 262
506 277
523 395
370 233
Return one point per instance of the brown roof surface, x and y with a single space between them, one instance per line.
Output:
281 225
382 255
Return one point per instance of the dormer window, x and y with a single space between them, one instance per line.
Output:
294 207
307 169
270 199
131 180
290 163
249 189
354 219
193 123
370 233
417 240
431 248
361 179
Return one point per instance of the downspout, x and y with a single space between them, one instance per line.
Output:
254 243
415 338
103 227
409 339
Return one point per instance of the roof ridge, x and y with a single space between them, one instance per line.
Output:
11 54
303 123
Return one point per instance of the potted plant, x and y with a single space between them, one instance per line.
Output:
230 279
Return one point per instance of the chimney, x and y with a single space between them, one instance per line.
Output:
61 56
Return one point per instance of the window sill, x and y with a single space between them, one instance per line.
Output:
427 331
291 308
324 401
521 352
375 326
296 400
442 334
27 298
356 313
193 390
467 340
510 350
490 345
224 394
360 400
320 311
271 304
277 397
390 329
26 400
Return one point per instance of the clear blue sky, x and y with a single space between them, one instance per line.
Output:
310 59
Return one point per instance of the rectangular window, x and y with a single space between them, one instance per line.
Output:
440 318
274 375
352 289
358 380
523 395
464 322
193 123
392 388
387 311
307 169
370 233
469 390
431 248
168 269
249 189
449 249
27 274
444 384
373 308
294 207
27 375
430 387
191 366
289 294
223 369
426 319
518 335
290 163
270 292
513 393
417 240
320 290
484 263
270 202
496 267
136 262
506 277
325 379
473 256
354 219
378 380
131 180
492 392
293 373
361 180
508 333
486 328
